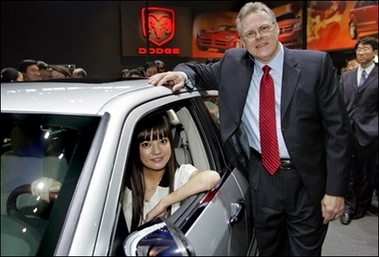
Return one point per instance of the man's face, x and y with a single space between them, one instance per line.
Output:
260 36
45 73
160 67
32 73
151 71
352 64
365 54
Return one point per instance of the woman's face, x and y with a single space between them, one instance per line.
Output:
155 154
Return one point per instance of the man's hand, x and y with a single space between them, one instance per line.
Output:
332 207
173 79
43 186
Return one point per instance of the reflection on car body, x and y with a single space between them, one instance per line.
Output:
221 39
363 19
79 133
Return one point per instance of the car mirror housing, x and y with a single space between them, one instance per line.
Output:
158 237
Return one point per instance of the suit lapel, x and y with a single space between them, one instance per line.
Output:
373 76
242 80
291 76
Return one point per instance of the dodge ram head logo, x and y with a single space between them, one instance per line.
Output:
159 23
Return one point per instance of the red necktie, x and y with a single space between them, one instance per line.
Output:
267 127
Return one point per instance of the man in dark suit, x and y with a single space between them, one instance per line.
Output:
360 90
305 189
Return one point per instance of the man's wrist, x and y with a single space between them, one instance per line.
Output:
187 82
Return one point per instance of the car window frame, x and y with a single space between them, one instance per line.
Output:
109 222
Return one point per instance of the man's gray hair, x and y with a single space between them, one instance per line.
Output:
253 7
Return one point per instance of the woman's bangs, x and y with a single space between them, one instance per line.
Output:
152 134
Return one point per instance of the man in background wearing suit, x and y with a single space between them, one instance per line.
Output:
360 90
294 197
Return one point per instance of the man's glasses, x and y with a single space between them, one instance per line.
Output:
262 30
362 49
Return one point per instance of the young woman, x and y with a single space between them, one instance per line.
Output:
156 184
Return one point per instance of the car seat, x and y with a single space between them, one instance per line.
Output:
25 163
182 153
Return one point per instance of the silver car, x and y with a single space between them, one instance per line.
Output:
79 133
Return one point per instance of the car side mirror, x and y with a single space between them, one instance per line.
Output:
158 237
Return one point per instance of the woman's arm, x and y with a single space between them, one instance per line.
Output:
199 181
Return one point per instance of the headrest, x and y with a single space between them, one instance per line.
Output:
174 120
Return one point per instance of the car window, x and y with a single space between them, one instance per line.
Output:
211 103
189 149
222 27
34 146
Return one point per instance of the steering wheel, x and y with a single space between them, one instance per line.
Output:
12 209
17 221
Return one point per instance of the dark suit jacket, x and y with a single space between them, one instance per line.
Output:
315 124
362 105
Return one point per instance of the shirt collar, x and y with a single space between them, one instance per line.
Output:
368 69
276 64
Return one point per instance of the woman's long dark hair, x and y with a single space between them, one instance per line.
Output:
151 128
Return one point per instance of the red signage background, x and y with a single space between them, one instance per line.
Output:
328 25
158 24
155 32
173 31
210 21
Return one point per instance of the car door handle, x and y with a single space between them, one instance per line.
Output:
237 212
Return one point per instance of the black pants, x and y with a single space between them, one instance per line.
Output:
362 178
286 220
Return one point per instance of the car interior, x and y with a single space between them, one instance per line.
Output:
27 159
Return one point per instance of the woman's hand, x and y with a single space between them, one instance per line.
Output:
159 210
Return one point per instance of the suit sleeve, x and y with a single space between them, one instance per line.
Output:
338 133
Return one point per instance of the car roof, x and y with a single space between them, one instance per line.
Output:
74 97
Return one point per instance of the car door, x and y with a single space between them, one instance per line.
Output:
217 222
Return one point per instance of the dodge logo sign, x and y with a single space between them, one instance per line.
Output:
159 23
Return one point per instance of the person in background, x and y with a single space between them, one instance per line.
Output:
359 87
11 74
29 70
150 69
351 63
141 70
79 73
133 73
60 72
299 172
124 72
160 66
44 71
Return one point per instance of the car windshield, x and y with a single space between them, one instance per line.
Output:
227 27
35 148
286 16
